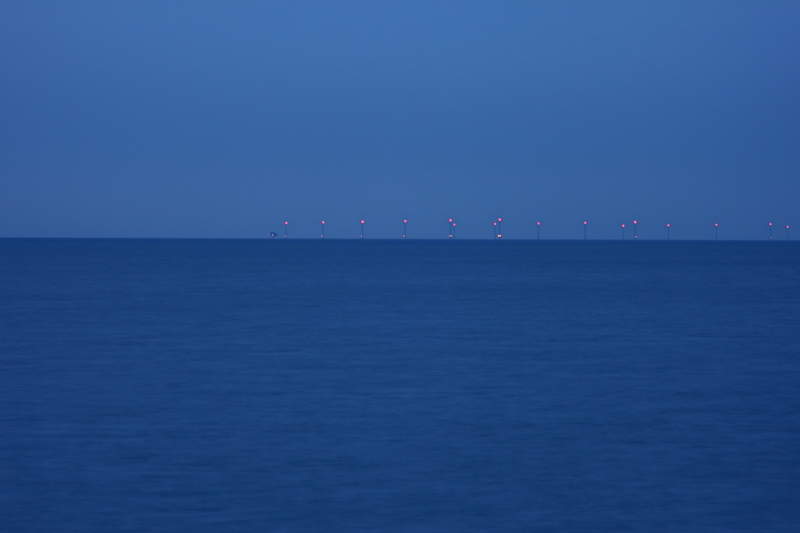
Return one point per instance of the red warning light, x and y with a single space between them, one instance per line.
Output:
584 222
770 223
623 225
716 225
538 223
495 223
323 221
405 221
454 224
362 221
667 225
285 223
449 219
634 222
499 219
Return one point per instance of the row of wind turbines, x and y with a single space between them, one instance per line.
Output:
497 229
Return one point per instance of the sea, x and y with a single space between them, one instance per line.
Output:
295 385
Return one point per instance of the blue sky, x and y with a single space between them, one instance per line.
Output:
200 119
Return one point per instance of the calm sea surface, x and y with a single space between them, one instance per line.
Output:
346 386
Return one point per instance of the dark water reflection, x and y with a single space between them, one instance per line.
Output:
162 385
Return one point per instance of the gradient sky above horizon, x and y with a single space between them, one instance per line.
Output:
200 119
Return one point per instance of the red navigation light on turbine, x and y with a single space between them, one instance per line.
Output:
405 221
667 225
285 223
584 222
538 223
716 225
623 225
362 221
499 219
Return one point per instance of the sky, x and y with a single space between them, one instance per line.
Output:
225 119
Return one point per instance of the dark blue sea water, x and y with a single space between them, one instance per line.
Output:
344 386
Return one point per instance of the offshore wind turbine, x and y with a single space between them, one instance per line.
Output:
454 230
716 232
495 230
770 231
449 228
634 229
538 225
362 229
623 232
584 230
323 229
668 226
286 229
499 228
404 227
787 232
